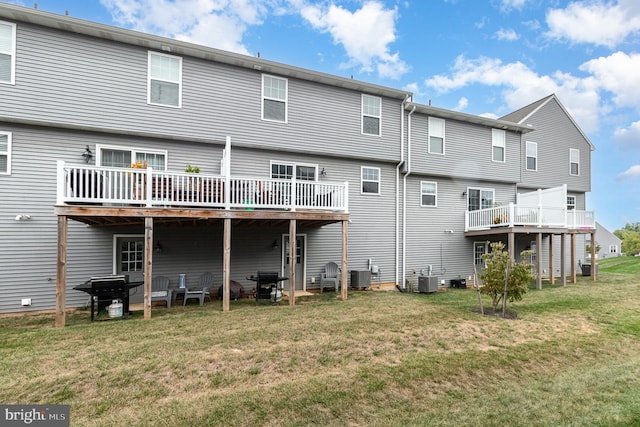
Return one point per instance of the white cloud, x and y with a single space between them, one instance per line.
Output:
365 34
628 138
619 74
507 35
596 22
521 85
632 172
512 4
462 104
215 23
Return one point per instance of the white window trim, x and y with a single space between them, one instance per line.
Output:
294 165
362 181
571 206
499 142
179 82
577 152
8 153
613 249
363 115
285 100
444 139
435 194
12 52
526 156
481 189
133 150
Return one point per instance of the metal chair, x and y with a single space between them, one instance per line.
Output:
160 290
206 281
330 277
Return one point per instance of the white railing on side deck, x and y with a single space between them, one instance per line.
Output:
84 184
539 216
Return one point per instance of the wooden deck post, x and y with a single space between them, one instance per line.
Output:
292 262
345 254
593 255
511 244
552 276
61 271
539 260
563 259
574 279
226 265
148 268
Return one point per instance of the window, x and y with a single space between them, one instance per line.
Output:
131 256
613 249
428 193
371 114
571 203
498 145
124 157
480 198
532 156
284 170
436 135
370 178
5 153
534 253
274 98
165 80
574 161
7 52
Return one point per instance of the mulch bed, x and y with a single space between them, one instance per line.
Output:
489 311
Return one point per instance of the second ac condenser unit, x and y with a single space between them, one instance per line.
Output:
427 284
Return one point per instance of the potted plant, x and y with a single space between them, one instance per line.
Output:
192 169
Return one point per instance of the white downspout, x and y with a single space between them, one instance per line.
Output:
404 198
398 166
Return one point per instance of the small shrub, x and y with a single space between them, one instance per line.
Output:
500 268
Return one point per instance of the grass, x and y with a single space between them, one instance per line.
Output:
572 358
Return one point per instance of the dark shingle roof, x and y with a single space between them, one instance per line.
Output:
519 115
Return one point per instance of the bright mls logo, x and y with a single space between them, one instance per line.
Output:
36 415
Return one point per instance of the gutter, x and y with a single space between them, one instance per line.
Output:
398 171
404 198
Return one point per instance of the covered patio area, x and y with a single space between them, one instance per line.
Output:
228 219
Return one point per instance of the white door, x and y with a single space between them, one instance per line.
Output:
301 246
479 249
129 260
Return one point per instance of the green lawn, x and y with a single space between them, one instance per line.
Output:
571 358
625 264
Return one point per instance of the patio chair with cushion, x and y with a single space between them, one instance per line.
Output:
160 290
206 281
330 276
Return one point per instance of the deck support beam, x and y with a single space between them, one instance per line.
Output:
563 259
539 260
593 255
552 276
226 265
574 279
345 255
61 271
292 262
148 267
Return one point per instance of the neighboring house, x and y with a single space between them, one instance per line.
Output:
343 170
607 244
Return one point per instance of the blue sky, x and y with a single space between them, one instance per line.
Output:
482 57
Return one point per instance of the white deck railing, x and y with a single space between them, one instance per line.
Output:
539 216
85 184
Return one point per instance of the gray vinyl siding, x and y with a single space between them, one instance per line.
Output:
73 79
428 240
28 248
555 134
468 152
